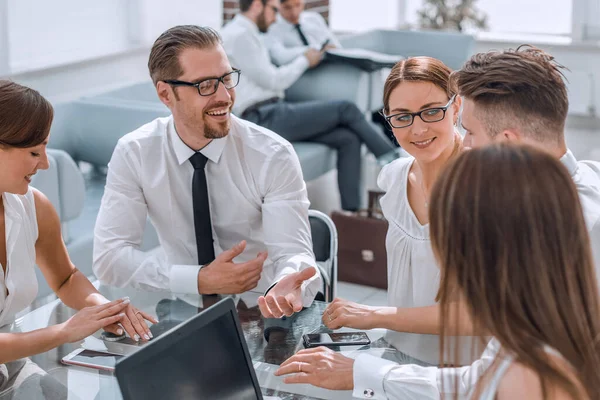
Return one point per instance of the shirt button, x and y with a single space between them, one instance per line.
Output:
369 393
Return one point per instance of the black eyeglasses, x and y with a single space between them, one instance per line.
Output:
403 120
207 87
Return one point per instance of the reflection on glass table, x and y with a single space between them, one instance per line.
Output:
270 342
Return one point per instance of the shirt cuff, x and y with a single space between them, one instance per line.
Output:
184 279
369 373
310 287
303 62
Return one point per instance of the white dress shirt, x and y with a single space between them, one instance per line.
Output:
260 79
388 380
586 175
285 43
256 193
413 274
18 287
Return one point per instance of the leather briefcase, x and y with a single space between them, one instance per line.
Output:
362 256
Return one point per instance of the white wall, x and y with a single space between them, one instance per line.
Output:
363 15
71 48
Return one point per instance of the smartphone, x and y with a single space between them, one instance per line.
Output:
325 43
92 359
336 339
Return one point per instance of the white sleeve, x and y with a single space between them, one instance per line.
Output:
381 379
285 219
248 54
118 260
281 55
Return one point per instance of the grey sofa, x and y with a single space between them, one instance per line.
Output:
451 48
64 186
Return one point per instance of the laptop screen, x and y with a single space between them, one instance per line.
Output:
205 362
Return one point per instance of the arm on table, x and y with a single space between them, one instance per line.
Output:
81 325
424 320
71 286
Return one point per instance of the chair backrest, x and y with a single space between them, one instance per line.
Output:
325 247
64 185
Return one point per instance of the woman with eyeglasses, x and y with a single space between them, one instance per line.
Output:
30 235
422 110
508 231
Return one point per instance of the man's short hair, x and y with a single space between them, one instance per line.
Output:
163 63
245 4
522 89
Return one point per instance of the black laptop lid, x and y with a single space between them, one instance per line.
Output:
206 357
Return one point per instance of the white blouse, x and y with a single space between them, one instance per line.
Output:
413 275
18 286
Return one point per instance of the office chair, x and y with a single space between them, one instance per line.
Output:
325 247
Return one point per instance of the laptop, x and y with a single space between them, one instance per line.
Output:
205 357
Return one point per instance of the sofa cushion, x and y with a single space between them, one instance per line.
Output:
315 159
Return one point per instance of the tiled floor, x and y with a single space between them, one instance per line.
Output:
362 294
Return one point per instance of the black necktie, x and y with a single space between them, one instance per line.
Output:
302 37
202 225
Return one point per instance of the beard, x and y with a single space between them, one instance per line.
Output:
261 23
216 130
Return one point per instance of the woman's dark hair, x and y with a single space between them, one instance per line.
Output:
508 231
25 116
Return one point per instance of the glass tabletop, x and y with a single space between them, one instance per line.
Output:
270 342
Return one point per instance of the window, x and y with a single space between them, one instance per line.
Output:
38 34
362 15
553 17
49 33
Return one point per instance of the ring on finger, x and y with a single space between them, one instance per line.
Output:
330 318
299 367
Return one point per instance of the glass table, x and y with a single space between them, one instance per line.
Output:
270 342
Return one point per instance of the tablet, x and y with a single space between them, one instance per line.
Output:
92 359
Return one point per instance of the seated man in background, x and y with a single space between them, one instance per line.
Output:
297 30
338 124
226 197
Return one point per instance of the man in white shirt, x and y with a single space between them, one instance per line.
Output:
514 95
297 30
226 197
338 124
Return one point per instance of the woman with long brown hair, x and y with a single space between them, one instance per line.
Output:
509 234
30 234
421 107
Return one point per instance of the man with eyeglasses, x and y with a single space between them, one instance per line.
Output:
226 197
337 124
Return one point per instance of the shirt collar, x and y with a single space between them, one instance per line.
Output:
570 162
247 22
212 151
285 22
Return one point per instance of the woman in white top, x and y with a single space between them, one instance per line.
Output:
30 234
509 234
422 110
